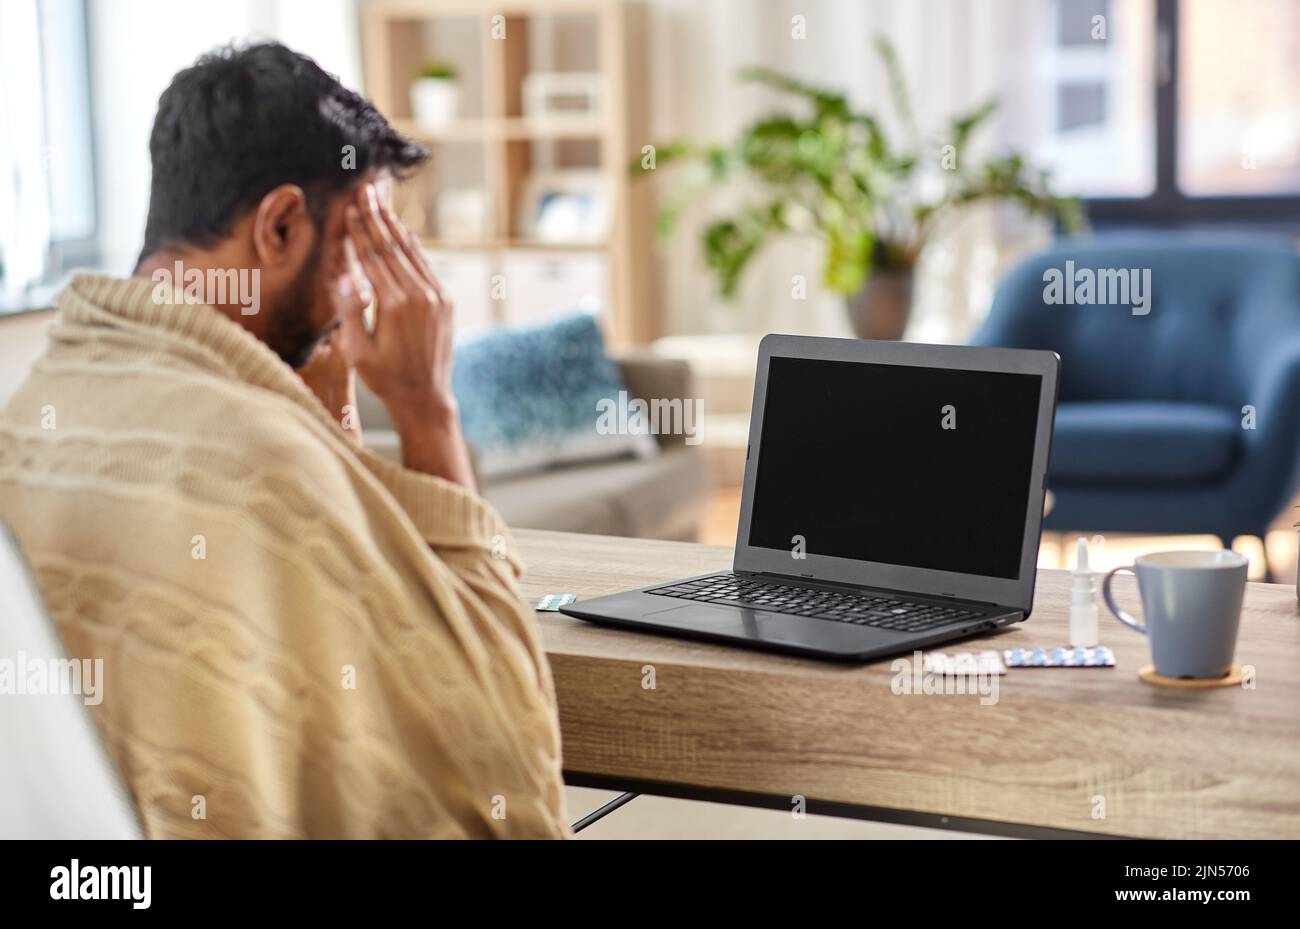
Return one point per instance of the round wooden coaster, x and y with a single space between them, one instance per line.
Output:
1233 678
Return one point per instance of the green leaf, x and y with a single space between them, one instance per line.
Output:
897 85
962 126
837 167
823 101
848 260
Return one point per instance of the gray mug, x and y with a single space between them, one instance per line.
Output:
1192 605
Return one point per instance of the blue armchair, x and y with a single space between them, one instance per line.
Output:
1182 420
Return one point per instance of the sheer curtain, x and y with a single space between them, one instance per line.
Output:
24 184
956 54
47 191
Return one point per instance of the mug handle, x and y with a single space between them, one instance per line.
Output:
1121 615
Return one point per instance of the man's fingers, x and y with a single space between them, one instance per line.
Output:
372 263
411 249
357 275
354 341
386 245
354 296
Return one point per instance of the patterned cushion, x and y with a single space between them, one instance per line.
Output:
531 398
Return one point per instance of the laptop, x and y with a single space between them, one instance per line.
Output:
893 500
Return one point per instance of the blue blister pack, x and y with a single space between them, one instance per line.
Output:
1099 657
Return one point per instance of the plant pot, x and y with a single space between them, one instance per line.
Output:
881 309
434 102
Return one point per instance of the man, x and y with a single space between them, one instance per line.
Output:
299 638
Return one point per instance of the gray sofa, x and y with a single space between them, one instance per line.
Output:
659 498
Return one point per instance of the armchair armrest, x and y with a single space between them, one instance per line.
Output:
649 377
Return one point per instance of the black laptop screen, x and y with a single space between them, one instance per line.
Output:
901 465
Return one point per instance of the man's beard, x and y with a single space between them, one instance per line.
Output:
291 334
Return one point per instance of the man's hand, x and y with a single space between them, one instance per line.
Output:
407 359
329 377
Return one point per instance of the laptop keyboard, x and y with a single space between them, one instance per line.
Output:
860 609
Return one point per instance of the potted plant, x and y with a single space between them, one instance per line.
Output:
830 171
435 96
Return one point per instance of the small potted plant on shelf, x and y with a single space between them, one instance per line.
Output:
435 97
829 171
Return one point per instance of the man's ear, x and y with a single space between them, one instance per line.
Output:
282 226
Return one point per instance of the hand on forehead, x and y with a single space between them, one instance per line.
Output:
382 187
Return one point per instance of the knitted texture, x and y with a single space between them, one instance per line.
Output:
299 637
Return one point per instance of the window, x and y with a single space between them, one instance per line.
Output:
47 186
1239 98
1083 106
1167 111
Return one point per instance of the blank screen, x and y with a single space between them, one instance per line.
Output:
919 467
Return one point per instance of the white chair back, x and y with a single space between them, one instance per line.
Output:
57 780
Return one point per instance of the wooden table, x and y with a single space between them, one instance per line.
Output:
1061 752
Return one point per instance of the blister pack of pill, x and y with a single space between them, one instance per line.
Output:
964 663
1099 657
552 602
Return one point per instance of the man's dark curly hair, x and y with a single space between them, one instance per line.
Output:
242 121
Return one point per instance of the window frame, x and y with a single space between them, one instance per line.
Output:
1167 205
67 254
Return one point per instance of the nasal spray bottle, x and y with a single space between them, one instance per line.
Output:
1083 601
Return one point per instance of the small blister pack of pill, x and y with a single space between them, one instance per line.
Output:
964 663
1099 657
552 602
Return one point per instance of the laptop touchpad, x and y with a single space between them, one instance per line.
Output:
706 618
737 621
